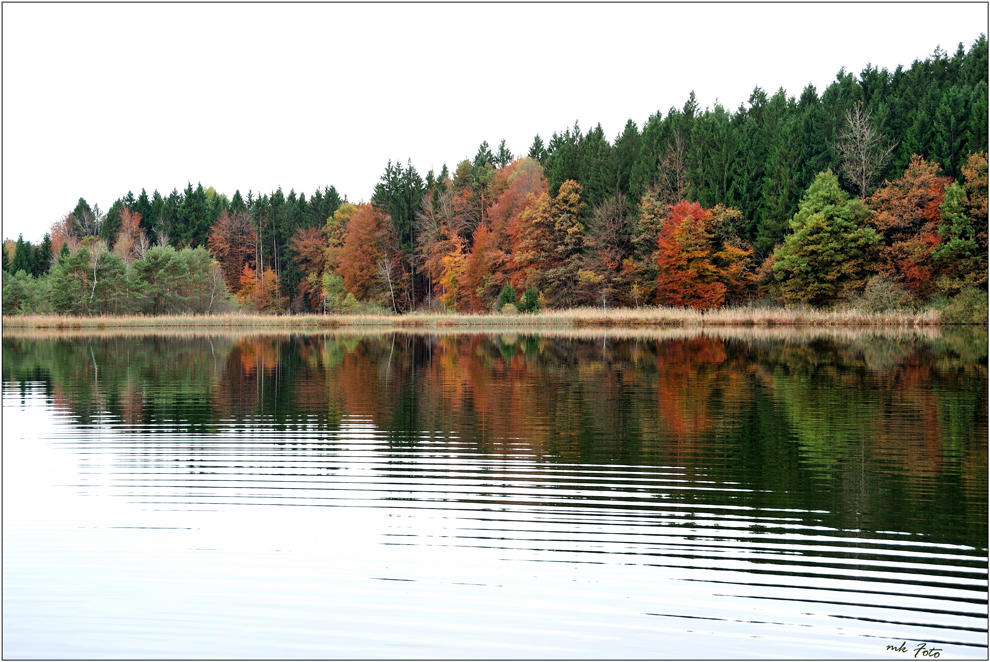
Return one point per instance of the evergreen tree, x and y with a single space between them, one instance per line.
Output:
70 283
144 207
829 253
960 258
503 157
111 223
950 130
43 256
23 256
712 158
237 204
537 150
626 150
563 161
597 169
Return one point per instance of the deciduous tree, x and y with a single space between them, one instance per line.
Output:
232 243
863 150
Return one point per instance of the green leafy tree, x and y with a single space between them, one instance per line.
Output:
203 291
959 256
829 252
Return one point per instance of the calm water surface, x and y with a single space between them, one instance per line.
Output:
597 495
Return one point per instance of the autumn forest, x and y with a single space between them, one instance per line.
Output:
871 193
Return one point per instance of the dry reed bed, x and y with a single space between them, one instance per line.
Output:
553 319
798 334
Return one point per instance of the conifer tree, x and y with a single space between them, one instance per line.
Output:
829 252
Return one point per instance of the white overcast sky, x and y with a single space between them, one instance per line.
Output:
100 99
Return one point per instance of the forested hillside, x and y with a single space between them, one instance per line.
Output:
872 192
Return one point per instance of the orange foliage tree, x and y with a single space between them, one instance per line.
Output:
907 219
695 268
260 291
61 234
688 276
370 262
490 266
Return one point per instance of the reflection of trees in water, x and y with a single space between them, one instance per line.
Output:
840 421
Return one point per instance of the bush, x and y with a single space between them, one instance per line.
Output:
505 297
882 293
510 309
967 307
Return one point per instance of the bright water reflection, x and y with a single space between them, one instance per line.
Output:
740 494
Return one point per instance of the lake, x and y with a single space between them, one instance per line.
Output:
733 493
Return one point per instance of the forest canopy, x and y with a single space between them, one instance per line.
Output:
872 192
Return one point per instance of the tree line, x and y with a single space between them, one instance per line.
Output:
873 191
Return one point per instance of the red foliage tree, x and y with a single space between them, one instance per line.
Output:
907 218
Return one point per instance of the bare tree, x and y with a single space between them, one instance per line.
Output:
385 273
142 246
672 170
863 150
96 250
88 223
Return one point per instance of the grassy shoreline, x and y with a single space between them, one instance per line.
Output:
574 318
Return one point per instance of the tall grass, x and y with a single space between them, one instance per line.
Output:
801 334
551 319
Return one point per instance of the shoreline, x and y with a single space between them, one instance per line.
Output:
576 318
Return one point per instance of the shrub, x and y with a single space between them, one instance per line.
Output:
510 309
881 294
506 296
967 307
